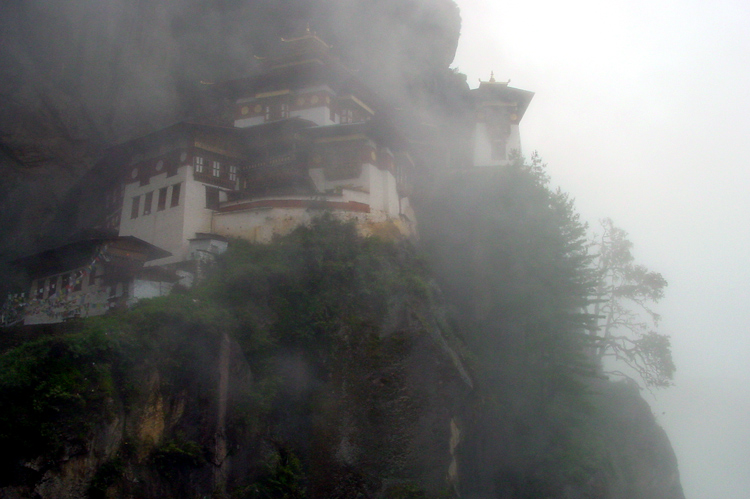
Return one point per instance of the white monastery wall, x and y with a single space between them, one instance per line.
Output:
141 289
197 216
377 187
262 225
246 122
374 187
392 202
383 191
321 115
162 228
514 140
322 184
301 104
483 146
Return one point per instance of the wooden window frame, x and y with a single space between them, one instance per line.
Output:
161 204
148 201
135 207
175 200
213 197
346 115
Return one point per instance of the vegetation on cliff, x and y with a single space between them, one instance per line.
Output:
340 338
350 374
513 259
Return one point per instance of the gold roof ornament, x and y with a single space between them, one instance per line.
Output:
493 81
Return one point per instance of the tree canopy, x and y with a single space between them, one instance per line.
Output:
626 323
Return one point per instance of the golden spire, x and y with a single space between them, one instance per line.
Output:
492 77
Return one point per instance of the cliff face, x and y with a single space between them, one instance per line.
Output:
79 77
511 258
322 367
643 462
223 391
139 426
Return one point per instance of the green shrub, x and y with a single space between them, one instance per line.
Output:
177 455
107 475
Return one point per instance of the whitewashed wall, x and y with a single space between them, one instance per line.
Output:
483 147
164 229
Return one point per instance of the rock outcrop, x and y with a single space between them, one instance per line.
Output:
354 394
300 379
80 77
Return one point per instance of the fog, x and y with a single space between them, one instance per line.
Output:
640 112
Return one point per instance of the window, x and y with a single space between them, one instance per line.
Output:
215 168
78 283
267 112
198 164
284 109
135 207
212 198
162 202
232 173
147 203
52 285
347 116
175 195
65 281
40 289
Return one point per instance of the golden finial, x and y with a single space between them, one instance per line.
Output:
492 77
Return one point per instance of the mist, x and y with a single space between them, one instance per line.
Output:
614 119
639 112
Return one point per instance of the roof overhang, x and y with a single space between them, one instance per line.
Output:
82 252
494 94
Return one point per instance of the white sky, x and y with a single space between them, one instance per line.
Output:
641 111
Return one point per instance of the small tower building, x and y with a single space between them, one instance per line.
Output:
499 109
